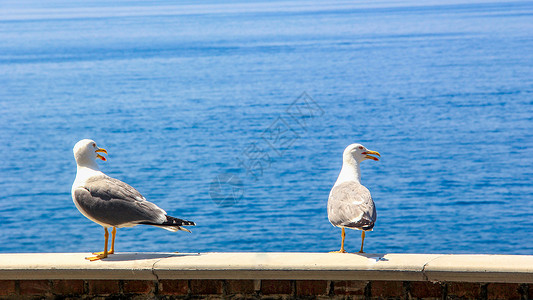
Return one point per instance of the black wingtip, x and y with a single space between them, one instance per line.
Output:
177 222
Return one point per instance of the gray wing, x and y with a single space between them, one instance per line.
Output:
350 205
110 201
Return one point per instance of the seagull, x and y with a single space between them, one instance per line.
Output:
350 204
110 202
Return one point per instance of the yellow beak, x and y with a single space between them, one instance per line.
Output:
371 152
100 156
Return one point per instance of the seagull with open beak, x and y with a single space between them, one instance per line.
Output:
112 203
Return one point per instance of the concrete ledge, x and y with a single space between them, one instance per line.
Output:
265 276
278 266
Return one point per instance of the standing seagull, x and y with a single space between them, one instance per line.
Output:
111 202
350 204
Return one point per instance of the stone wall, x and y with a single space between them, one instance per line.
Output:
258 289
265 276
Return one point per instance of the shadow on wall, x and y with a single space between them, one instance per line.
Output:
141 256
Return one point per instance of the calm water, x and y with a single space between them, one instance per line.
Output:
180 95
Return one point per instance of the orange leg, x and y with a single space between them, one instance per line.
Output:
113 235
343 235
362 240
112 250
101 254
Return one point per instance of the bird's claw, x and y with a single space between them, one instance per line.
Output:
97 257
340 251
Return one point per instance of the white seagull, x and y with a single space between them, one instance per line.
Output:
110 202
350 204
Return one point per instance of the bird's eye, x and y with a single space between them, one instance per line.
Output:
94 145
361 147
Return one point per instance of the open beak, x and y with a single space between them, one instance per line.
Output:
366 153
100 156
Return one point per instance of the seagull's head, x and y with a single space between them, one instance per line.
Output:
86 152
358 153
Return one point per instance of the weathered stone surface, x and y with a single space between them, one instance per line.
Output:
7 287
240 287
467 290
68 287
311 287
104 287
206 287
503 291
386 289
173 287
138 286
272 287
425 289
350 287
34 287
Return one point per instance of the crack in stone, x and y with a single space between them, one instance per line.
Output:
424 267
153 267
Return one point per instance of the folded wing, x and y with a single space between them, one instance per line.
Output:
110 201
350 205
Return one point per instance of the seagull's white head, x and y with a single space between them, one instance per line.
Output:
357 153
86 153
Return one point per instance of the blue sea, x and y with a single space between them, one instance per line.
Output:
235 115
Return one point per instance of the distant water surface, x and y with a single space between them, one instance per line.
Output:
184 94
